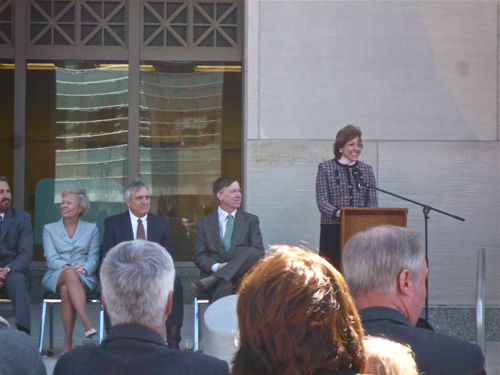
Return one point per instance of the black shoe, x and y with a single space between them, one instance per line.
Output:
23 329
174 336
196 288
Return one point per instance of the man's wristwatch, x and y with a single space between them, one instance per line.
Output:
9 269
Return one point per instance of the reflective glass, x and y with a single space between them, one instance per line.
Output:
76 135
7 119
190 135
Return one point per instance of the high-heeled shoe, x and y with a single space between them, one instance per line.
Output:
90 333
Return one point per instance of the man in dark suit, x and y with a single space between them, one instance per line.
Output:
139 223
137 280
385 269
16 254
227 242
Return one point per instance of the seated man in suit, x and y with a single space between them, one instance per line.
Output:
137 280
227 242
139 223
16 254
385 269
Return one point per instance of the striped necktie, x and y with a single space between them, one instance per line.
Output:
226 240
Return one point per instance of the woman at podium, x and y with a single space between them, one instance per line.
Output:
341 182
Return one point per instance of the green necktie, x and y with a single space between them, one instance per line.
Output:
226 240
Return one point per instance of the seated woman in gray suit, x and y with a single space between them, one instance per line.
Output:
71 247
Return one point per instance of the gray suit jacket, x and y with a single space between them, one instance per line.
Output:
59 250
435 353
208 245
18 353
16 241
135 350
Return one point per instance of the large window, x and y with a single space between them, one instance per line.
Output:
77 134
7 119
190 135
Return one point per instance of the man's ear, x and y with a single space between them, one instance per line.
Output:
405 282
103 300
170 302
128 202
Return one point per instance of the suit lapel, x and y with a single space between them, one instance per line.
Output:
214 232
126 226
61 231
152 232
7 220
80 230
239 227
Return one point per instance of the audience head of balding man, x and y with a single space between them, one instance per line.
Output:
385 270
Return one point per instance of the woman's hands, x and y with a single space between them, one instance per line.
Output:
80 268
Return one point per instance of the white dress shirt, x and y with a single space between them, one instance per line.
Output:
133 221
222 227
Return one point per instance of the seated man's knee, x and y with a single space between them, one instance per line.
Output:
17 279
255 255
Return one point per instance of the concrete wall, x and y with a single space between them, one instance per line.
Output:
421 80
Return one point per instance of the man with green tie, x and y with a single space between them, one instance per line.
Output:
227 242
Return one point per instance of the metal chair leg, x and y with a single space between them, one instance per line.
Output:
196 326
101 324
42 326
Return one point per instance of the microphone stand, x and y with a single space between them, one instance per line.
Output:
426 210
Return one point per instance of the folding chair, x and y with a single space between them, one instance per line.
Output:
50 299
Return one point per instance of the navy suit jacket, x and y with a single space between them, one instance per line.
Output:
16 241
435 353
135 350
118 228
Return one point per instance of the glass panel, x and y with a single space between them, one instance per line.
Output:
190 135
76 135
7 120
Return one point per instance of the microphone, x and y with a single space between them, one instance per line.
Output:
357 177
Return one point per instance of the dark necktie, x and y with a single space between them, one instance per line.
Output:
226 240
141 234
1 222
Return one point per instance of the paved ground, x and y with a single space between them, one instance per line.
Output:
492 351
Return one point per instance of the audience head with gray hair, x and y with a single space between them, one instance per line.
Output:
137 280
385 266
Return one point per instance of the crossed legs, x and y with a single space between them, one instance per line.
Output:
221 283
73 301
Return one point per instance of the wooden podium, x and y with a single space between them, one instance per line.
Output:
357 219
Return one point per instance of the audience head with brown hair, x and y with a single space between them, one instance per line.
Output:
297 317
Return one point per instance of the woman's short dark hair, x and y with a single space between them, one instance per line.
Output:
344 135
296 316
